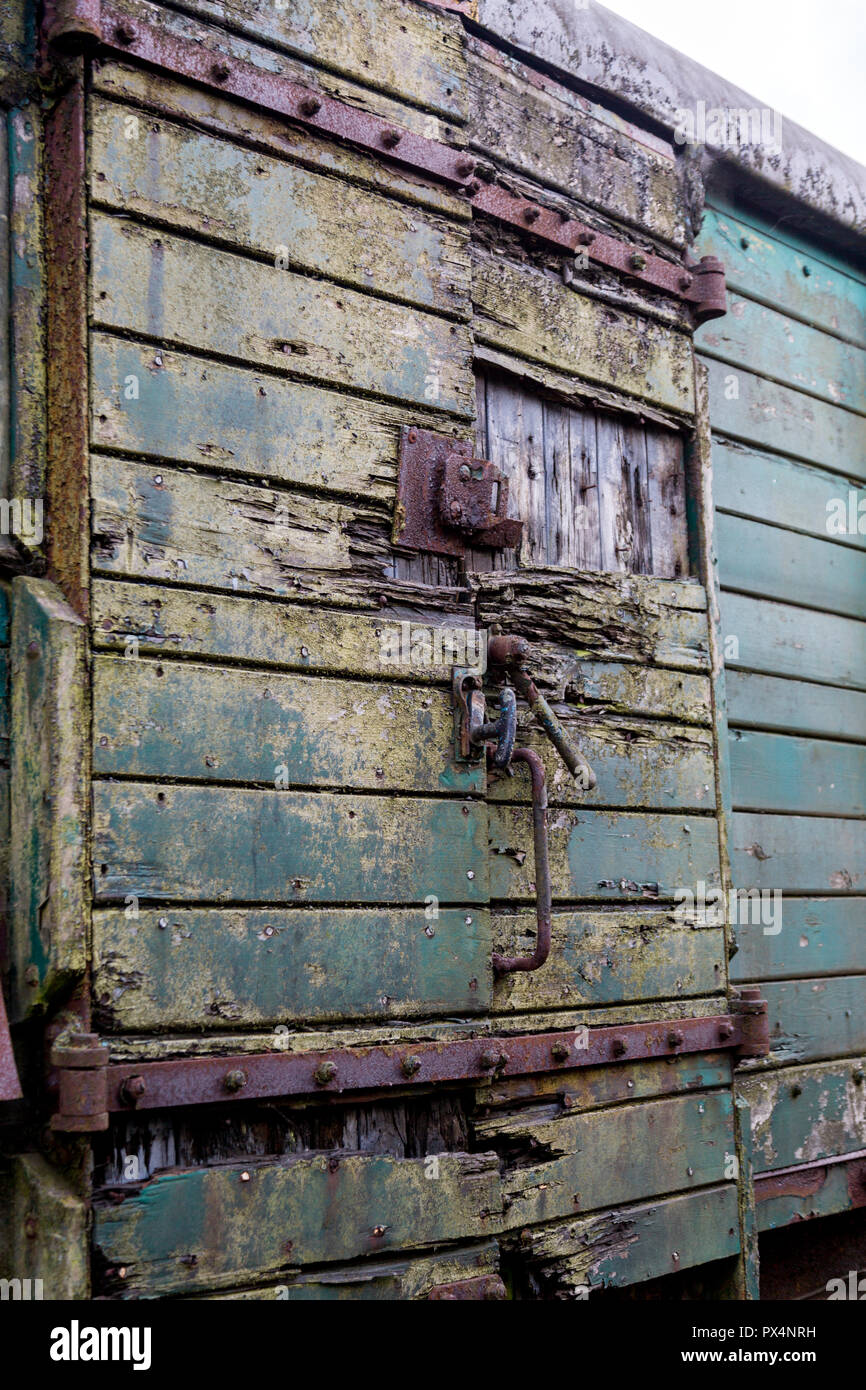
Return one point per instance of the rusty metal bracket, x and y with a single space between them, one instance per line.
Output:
751 1010
79 25
447 499
505 965
91 1091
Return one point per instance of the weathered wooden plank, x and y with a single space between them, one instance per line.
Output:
182 410
295 218
207 969
772 772
603 855
667 503
800 854
818 936
259 129
213 844
613 687
774 271
34 1194
49 903
607 1157
144 618
419 58
570 442
160 286
830 1191
778 639
521 310
770 488
635 1244
188 721
636 763
803 1114
609 958
591 1088
529 122
811 1019
379 1280
189 528
760 412
771 562
795 706
300 1211
515 443
567 616
780 347
623 497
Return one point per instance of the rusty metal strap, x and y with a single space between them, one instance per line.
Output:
807 1179
91 1089
82 24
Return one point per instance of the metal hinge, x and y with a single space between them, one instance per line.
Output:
447 499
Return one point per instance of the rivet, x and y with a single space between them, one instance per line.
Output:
310 105
487 1060
586 238
413 435
725 1030
429 931
675 1038
391 138
807 270
409 1066
162 923
158 480
559 1051
379 1230
745 243
324 1073
468 921
305 651
235 1080
245 1177
858 1076
796 1090
531 213
691 1172
125 32
675 1255
618 1047
132 1089
465 471
685 282
220 70
470 873
637 261
465 167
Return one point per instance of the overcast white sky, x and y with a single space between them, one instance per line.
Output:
804 58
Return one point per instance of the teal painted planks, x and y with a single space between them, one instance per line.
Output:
781 640
214 844
770 488
747 407
795 707
818 936
769 562
772 772
799 854
815 1019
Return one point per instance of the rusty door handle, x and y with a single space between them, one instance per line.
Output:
503 965
510 653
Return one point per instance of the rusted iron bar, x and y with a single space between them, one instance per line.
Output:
504 965
90 1089
83 24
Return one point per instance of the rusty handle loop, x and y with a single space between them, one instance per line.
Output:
511 652
503 965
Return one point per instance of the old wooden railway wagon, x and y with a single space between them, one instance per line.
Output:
415 414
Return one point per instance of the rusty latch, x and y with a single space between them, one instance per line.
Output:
81 1061
447 499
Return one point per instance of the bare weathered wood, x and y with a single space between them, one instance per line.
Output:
385 1280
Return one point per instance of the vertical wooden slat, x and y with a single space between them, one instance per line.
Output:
667 494
616 538
561 514
636 485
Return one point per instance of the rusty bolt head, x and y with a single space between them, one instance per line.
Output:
637 260
585 238
132 1088
487 1061
465 167
410 1066
531 213
310 105
125 32
456 509
235 1080
220 70
618 1047
796 1090
559 1051
725 1030
324 1073
686 282
391 138
465 472
675 1038
379 1231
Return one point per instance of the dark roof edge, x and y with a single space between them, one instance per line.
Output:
601 49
